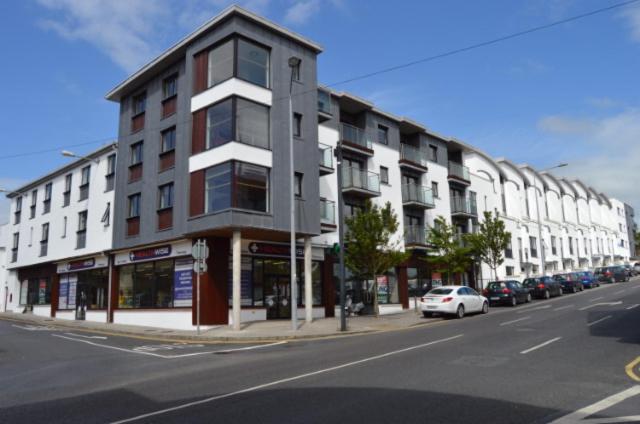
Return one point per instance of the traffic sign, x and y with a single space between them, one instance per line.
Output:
200 267
200 250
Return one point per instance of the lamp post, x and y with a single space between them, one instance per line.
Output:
69 154
535 186
294 62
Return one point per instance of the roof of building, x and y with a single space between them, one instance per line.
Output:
551 177
515 168
537 174
168 55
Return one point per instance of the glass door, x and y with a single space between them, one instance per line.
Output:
277 296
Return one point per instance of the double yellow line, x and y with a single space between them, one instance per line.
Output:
630 369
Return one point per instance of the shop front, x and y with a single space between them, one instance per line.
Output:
83 291
38 289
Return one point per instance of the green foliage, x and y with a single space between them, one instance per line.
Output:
370 246
490 242
450 253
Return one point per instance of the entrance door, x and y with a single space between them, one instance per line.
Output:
277 297
81 301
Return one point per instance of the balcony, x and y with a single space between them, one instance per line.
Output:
412 158
459 173
360 182
417 196
463 207
327 216
326 159
416 236
324 106
355 139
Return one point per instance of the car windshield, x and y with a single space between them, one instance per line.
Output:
546 279
440 291
495 285
529 282
560 277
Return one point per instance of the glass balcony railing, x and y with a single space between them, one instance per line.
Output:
360 179
415 193
459 171
326 156
354 135
413 154
416 234
324 102
327 212
462 205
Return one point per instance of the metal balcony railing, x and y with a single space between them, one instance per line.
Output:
462 205
459 171
413 193
326 156
413 154
354 135
416 234
360 179
327 212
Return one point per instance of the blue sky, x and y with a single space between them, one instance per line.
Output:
569 93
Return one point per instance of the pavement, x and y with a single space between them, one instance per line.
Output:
571 359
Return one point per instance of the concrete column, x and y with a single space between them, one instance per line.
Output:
236 255
308 280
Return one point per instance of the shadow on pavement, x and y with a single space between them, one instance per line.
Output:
623 326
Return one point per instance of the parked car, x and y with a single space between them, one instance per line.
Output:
611 274
629 270
570 282
453 300
636 268
543 287
507 293
588 279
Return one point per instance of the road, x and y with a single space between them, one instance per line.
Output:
570 359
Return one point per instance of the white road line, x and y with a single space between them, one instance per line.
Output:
620 291
632 306
86 337
599 320
605 403
514 321
601 304
284 380
524 311
32 327
531 349
563 307
157 355
627 419
596 298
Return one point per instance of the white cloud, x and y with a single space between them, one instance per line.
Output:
603 102
632 15
565 125
302 11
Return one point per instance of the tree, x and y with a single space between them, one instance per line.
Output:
371 249
490 241
450 253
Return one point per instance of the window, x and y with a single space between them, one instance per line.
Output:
553 245
67 190
533 247
44 239
84 182
384 175
134 206
383 134
221 63
297 184
81 234
165 196
295 72
570 245
220 124
510 271
18 212
136 153
147 285
434 189
433 153
46 203
64 227
34 201
170 86
253 63
168 140
297 124
508 252
14 247
251 187
240 120
139 104
111 173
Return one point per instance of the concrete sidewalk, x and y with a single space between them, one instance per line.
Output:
257 331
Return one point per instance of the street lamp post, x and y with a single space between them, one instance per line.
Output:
294 62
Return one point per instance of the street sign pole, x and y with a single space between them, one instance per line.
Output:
200 253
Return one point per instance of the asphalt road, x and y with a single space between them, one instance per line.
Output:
568 359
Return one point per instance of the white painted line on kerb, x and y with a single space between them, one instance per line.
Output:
596 298
524 311
284 380
531 349
86 337
514 321
599 320
605 403
632 307
563 307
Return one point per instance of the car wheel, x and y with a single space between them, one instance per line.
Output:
514 301
427 314
547 295
460 312
485 308
528 297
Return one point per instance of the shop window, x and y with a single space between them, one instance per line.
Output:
147 285
36 291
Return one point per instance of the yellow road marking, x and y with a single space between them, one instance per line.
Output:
629 369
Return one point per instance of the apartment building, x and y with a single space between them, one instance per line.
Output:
59 233
632 229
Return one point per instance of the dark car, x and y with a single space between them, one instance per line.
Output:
570 283
543 287
506 293
629 269
611 274
588 279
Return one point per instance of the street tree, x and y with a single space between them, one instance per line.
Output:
490 242
371 246
449 252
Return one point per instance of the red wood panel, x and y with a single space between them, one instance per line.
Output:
214 296
196 193
403 286
133 226
135 172
167 160
200 72
137 123
165 219
198 136
55 293
169 106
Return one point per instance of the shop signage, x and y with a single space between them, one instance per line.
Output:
269 249
151 253
64 294
42 292
76 265
73 284
182 283
82 264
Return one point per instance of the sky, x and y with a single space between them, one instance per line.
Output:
566 94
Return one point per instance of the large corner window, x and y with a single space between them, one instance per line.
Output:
237 185
237 119
251 64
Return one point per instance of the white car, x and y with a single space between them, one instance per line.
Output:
453 300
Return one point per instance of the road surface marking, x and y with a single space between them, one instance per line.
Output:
632 306
563 307
531 349
630 369
514 321
620 291
596 298
599 320
601 304
524 311
32 327
157 355
86 337
284 380
577 416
